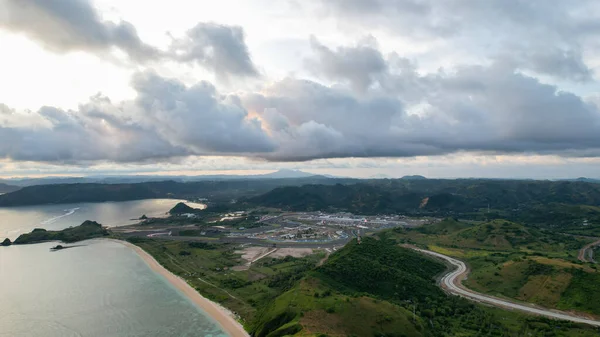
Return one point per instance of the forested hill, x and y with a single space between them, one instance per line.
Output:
214 190
431 195
5 188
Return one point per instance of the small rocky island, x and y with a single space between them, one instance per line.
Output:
6 242
87 230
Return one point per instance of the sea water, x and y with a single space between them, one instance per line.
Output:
18 220
100 288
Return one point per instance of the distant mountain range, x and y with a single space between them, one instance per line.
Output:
586 180
131 179
386 176
439 196
5 188
215 190
413 177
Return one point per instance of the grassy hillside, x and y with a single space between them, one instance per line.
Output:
313 308
447 226
96 192
510 260
370 290
493 236
381 268
350 294
512 199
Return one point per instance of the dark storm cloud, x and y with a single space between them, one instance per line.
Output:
220 48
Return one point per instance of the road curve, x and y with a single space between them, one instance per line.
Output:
452 283
582 252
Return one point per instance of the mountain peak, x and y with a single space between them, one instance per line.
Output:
414 177
288 173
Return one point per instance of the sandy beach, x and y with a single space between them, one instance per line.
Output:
221 315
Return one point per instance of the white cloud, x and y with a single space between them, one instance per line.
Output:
362 80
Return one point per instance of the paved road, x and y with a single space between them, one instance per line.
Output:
452 283
584 251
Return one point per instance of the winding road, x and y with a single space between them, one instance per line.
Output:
586 251
452 282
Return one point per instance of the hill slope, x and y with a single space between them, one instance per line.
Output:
87 230
431 196
5 188
215 190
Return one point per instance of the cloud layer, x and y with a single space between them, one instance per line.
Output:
400 114
548 37
68 25
75 25
360 101
167 119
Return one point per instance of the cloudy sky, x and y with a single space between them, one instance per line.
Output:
454 88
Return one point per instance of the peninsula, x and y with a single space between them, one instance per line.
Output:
87 230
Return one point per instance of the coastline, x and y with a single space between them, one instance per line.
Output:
221 315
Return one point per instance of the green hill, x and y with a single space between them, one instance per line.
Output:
358 291
446 226
182 208
379 267
497 234
98 192
372 288
493 236
87 230
313 308
375 288
5 188
506 198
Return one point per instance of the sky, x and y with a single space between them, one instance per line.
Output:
356 88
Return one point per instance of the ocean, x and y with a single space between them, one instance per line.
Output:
98 288
18 220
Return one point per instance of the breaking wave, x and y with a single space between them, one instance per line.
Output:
68 212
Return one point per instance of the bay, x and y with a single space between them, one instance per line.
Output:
98 288
101 288
18 220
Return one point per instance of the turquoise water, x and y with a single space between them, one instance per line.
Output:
18 220
100 288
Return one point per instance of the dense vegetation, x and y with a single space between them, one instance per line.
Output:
5 188
92 192
511 260
400 281
375 288
430 196
182 208
87 230
381 268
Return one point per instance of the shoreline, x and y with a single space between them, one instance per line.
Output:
223 317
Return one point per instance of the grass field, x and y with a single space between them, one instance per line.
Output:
513 261
209 270
361 290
